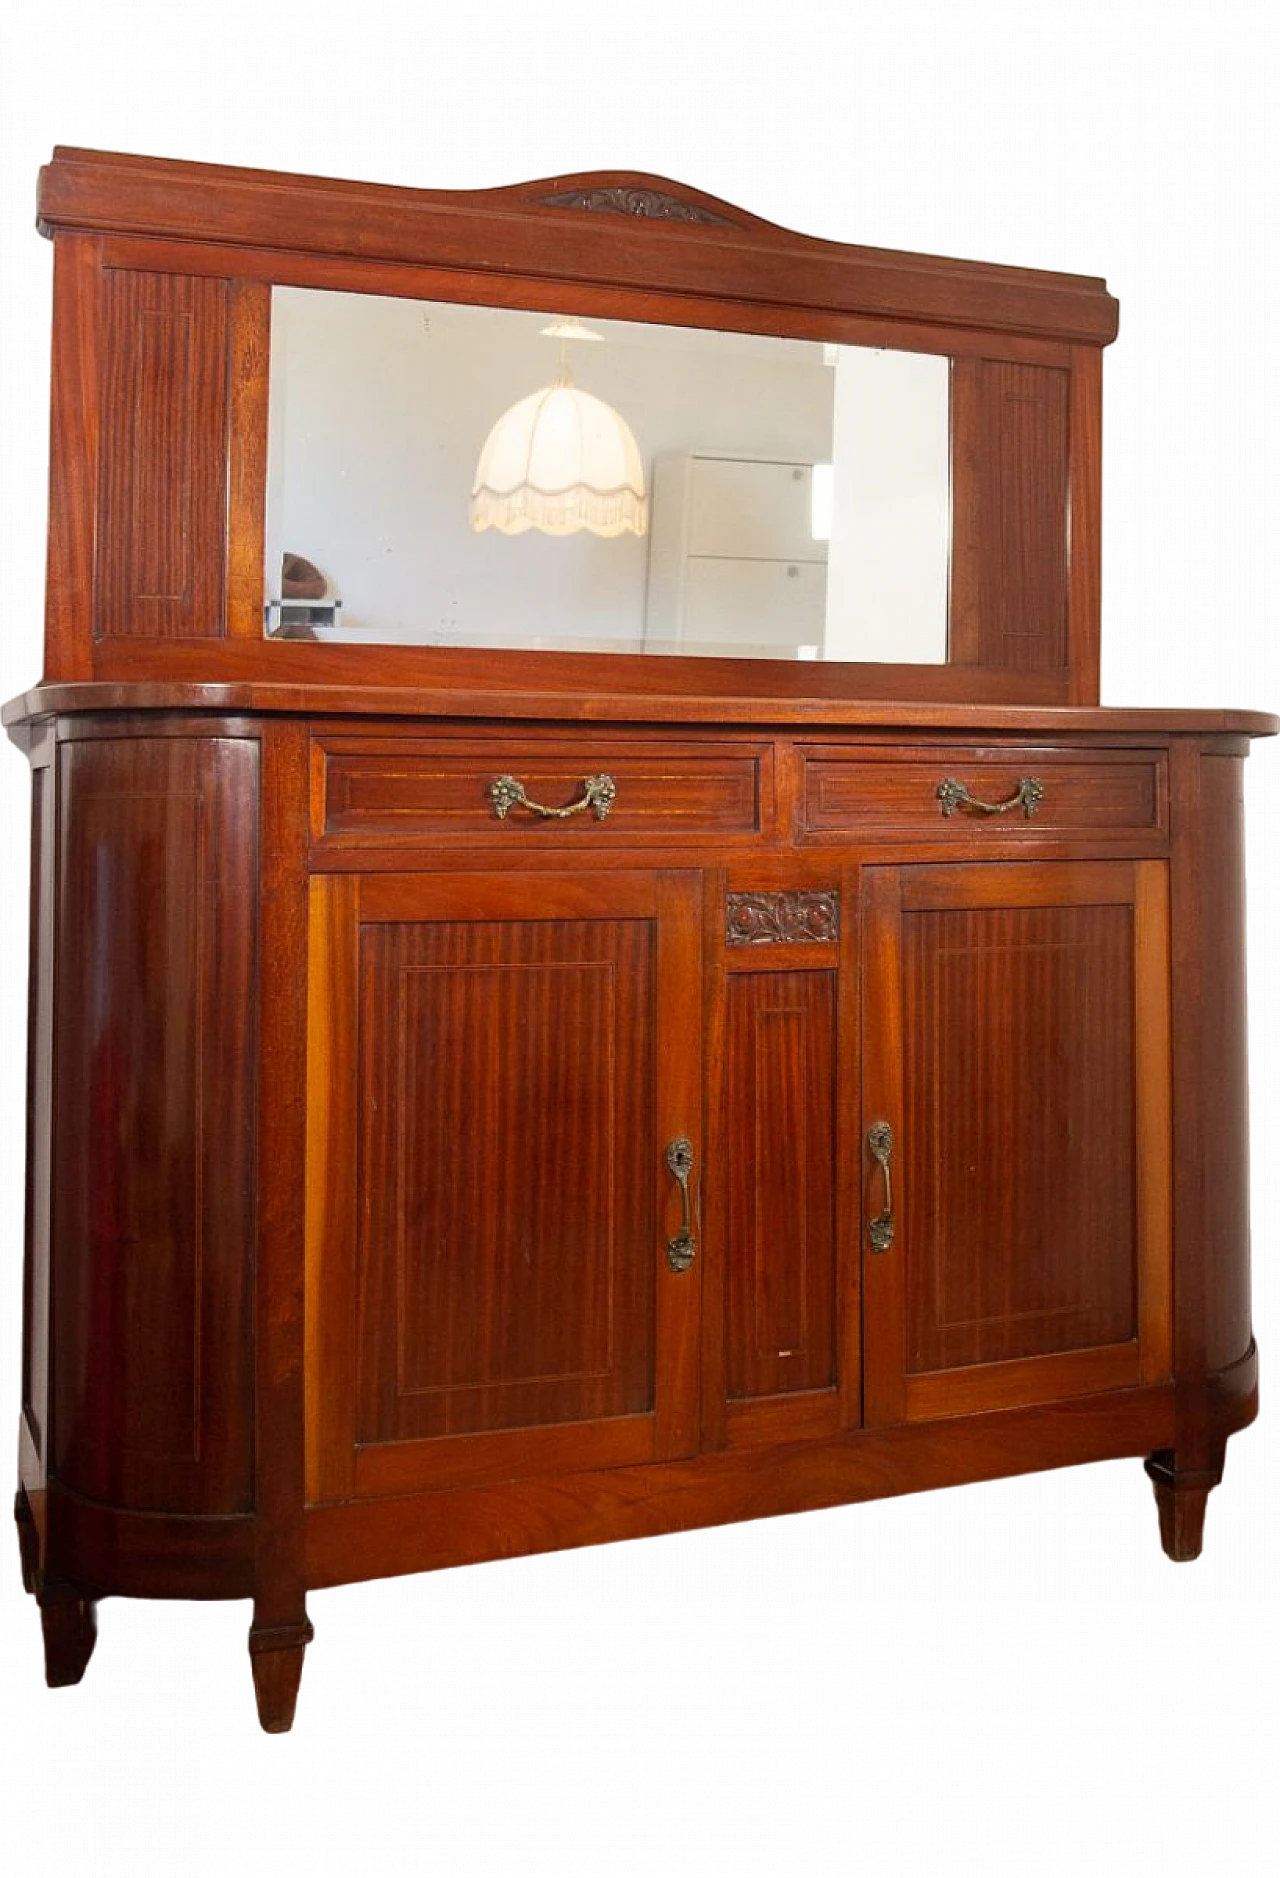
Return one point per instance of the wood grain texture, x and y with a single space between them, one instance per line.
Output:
779 1139
894 794
39 1185
150 1555
1009 530
1019 1216
467 1302
1084 568
1031 1212
876 718
248 378
506 1174
740 256
153 1160
425 1532
162 496
1225 1069
402 790
278 1339
74 432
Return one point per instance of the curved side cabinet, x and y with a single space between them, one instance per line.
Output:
154 1128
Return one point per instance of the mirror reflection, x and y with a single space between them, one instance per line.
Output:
443 474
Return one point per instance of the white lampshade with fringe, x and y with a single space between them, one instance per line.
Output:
560 461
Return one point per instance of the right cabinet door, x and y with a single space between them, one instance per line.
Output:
1016 1134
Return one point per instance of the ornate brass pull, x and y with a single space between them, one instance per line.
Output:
880 1142
1028 796
681 1249
598 792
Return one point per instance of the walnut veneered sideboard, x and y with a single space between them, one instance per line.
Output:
539 1041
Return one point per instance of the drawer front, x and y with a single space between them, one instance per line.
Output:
949 793
383 792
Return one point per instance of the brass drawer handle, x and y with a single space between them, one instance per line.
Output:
681 1249
598 792
880 1142
1028 796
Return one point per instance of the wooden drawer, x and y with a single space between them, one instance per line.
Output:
390 791
1090 794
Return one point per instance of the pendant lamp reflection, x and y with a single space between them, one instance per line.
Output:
560 461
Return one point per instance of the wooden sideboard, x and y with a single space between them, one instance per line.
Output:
847 1098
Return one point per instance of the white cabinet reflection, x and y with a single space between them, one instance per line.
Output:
435 485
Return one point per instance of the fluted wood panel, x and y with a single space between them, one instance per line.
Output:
1009 526
507 1161
779 1142
154 1122
1018 1151
162 502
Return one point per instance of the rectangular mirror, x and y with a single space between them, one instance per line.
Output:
448 474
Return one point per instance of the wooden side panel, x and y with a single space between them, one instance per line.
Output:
1009 514
1018 1212
1224 1158
779 1143
162 495
506 1174
154 1173
35 1278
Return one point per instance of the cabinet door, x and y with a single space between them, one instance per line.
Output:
1016 1043
496 1068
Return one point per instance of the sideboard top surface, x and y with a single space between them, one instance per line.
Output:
314 700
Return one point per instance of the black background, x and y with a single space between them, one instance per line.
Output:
1050 1576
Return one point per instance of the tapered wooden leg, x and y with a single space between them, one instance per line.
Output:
1181 1496
276 1652
68 1614
69 1618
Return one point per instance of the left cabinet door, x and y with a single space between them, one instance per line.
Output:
496 1067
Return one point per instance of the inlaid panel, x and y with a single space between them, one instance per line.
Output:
1019 1214
780 1102
162 504
1010 513
884 795
154 1177
506 1180
386 790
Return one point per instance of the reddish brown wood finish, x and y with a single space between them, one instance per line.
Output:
276 1653
486 708
394 791
162 495
159 539
426 1532
347 1208
871 793
779 1144
1016 1041
507 1208
688 242
491 1210
1010 469
40 1011
153 1159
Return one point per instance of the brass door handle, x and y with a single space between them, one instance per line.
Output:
508 792
681 1249
880 1142
1028 796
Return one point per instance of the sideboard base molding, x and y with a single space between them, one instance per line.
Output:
426 1532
